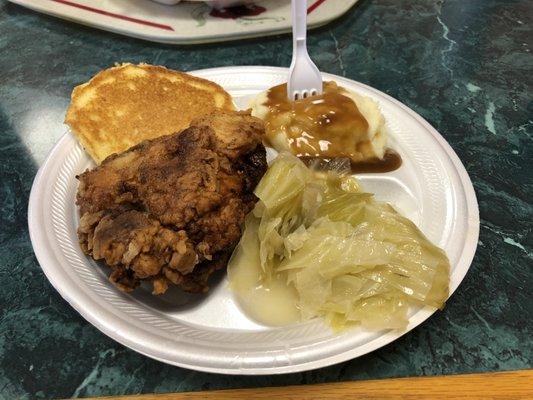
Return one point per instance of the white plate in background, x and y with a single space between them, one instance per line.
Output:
214 3
209 332
185 23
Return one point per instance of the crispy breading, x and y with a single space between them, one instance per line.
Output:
170 210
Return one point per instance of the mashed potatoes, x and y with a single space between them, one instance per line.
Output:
338 123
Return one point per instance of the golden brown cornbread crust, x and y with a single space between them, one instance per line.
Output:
124 105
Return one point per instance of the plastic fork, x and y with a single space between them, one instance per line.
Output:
304 77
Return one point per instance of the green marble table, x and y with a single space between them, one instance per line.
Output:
466 66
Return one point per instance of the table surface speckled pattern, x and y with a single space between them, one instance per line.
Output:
466 66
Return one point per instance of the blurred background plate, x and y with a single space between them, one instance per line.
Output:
187 22
210 332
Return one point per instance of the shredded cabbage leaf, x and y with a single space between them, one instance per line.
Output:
339 253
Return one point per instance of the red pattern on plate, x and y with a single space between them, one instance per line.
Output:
313 6
114 15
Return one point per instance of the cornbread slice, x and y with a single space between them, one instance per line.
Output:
124 105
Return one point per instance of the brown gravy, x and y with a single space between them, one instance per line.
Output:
324 127
391 161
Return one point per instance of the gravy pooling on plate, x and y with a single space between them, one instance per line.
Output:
391 161
328 126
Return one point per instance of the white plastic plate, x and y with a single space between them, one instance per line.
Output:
210 333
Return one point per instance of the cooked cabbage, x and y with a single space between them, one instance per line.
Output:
317 246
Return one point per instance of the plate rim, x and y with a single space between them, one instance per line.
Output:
44 252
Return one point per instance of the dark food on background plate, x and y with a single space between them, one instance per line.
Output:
169 210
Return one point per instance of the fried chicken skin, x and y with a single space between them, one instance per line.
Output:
170 210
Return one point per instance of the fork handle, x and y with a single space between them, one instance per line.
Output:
299 21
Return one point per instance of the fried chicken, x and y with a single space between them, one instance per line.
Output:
170 210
